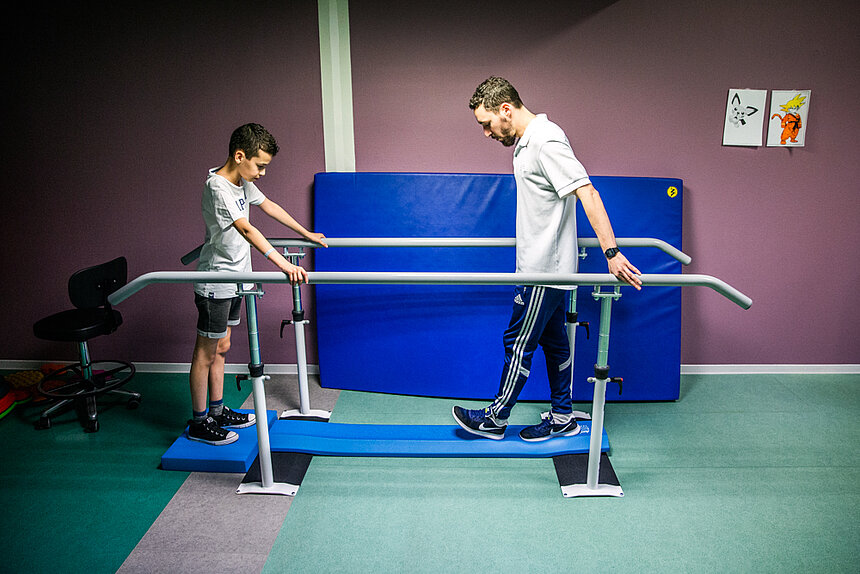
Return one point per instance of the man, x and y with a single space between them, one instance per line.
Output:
549 180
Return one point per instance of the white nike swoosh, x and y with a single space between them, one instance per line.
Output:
552 432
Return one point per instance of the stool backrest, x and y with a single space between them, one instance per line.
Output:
90 287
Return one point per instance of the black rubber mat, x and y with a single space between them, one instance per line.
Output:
573 469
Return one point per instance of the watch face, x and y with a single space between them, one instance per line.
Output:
611 252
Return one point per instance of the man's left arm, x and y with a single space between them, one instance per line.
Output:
280 215
599 220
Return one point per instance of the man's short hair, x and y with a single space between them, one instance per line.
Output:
252 138
493 92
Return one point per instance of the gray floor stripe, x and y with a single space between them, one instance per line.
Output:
206 526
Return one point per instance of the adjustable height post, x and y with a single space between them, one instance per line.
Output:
299 322
572 320
600 379
301 356
571 331
255 367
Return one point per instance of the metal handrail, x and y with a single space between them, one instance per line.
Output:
454 242
429 278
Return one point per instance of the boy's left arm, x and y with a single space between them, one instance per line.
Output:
280 215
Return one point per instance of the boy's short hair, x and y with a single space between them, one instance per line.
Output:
251 138
493 92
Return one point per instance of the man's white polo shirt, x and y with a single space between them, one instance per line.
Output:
547 173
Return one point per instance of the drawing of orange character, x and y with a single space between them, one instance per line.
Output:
790 122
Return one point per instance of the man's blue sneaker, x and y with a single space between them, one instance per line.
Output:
547 430
479 422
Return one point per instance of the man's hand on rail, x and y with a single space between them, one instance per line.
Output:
317 238
625 271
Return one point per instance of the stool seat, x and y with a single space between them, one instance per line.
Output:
78 325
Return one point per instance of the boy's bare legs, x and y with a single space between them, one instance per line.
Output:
216 369
207 387
207 371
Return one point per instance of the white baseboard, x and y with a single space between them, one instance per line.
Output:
846 369
230 368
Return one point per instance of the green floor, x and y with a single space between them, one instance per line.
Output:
744 473
79 502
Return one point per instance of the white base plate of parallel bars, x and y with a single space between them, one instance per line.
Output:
281 488
578 490
312 413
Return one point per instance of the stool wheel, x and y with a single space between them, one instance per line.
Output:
107 375
133 403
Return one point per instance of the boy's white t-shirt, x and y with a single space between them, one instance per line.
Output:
547 173
224 248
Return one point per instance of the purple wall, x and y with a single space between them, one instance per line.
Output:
640 87
115 116
119 113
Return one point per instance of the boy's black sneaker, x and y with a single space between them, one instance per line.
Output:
209 432
229 419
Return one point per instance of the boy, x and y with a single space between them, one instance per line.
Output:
228 193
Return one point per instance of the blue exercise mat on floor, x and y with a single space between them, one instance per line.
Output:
194 456
424 441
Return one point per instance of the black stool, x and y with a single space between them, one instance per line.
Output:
80 383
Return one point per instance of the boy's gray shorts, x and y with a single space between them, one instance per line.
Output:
214 315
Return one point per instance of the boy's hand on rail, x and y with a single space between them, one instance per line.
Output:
296 274
317 238
625 271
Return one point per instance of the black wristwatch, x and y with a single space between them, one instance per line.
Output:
611 252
